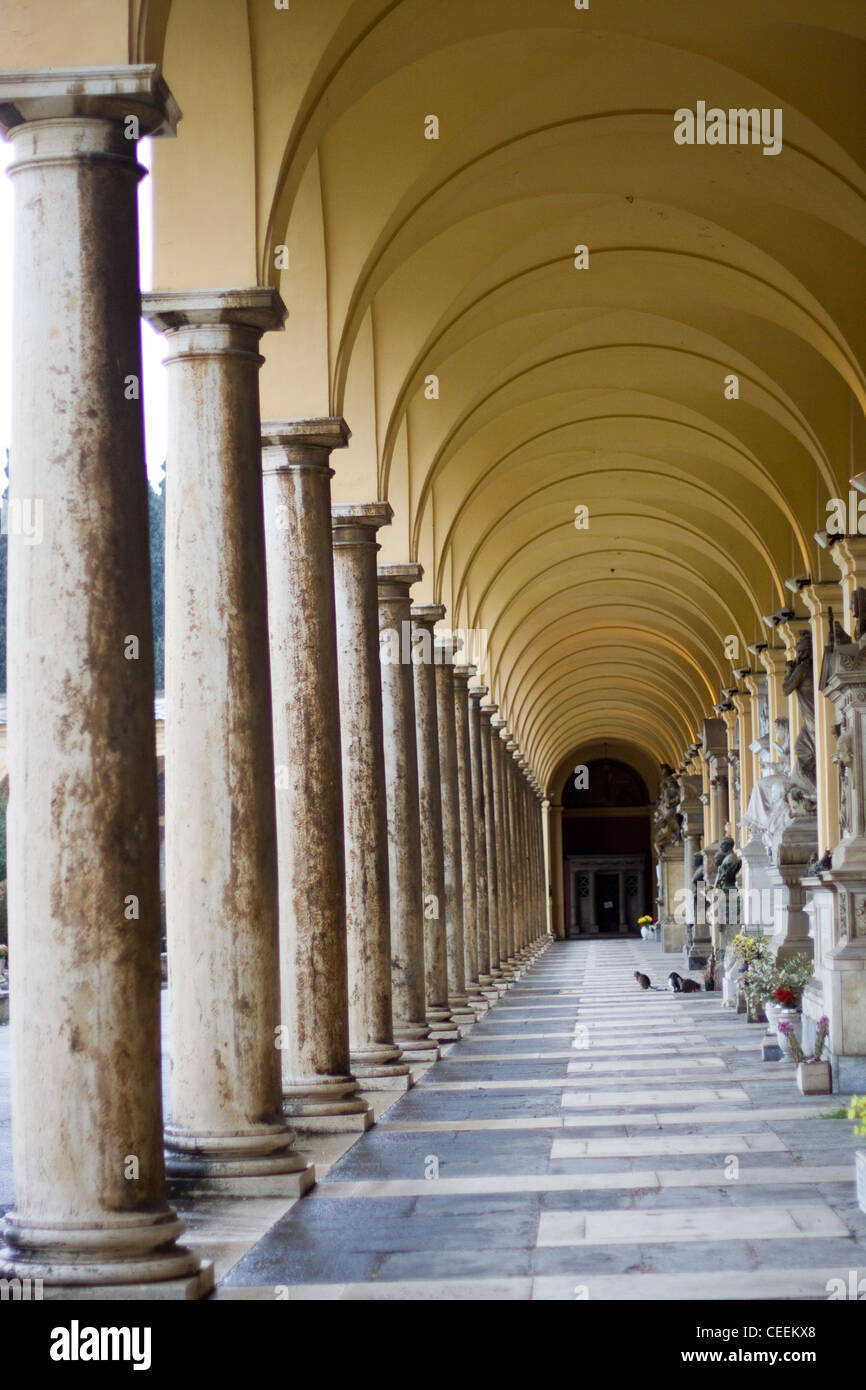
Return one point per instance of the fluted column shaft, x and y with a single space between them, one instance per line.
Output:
90 1196
318 1087
411 1030
375 1058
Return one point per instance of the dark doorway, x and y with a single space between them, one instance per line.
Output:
607 902
606 825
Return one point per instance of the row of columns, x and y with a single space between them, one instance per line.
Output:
354 862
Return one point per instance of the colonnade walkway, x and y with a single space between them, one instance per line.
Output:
585 1140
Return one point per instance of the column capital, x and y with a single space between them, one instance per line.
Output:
461 678
356 523
477 692
498 724
99 93
302 442
821 595
402 575
427 614
259 308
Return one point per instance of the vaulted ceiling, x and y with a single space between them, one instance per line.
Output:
491 386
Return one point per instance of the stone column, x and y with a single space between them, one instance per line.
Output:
555 813
479 813
90 1195
375 1058
220 818
521 860
461 675
411 1030
491 837
442 1026
445 651
503 849
319 1090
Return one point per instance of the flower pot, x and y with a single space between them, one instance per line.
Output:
813 1078
773 1012
860 1169
795 1018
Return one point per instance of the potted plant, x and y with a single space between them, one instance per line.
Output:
765 978
813 1073
645 924
857 1113
783 1007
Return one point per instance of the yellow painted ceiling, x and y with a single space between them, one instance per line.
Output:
558 387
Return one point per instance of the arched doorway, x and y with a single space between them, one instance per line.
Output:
607 861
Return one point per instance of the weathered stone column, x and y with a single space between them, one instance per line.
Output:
503 849
527 829
491 836
467 837
479 814
558 911
220 866
515 860
375 1058
511 957
424 617
521 860
411 1030
444 652
90 1196
319 1091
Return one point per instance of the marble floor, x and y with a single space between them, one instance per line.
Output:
584 1140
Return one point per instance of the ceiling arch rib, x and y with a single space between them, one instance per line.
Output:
557 387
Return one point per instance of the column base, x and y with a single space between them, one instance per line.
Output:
130 1248
325 1104
296 1184
264 1151
356 1123
423 1058
196 1286
415 1042
380 1068
401 1079
452 1033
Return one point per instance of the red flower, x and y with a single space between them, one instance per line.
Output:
785 997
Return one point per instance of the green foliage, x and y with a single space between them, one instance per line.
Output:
857 1112
764 977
